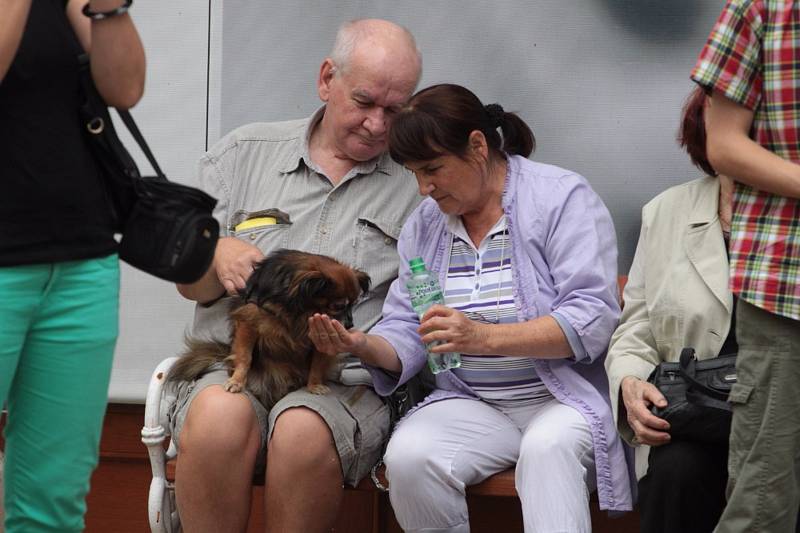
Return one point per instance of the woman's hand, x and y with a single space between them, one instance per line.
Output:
330 336
457 332
638 396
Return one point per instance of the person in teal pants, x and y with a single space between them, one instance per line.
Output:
59 272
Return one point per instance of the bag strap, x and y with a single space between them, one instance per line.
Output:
688 370
88 85
137 135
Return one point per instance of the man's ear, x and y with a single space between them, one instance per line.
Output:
326 72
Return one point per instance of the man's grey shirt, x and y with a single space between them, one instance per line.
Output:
264 170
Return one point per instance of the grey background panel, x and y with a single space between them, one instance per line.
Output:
601 82
172 118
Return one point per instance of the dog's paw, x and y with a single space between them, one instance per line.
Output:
319 389
233 386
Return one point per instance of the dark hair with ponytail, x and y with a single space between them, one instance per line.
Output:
440 119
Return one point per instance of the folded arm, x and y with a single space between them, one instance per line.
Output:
732 152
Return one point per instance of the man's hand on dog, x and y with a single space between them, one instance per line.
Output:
233 262
332 338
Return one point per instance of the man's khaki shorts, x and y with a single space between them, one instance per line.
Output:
357 417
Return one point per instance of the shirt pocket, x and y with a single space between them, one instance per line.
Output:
267 229
376 248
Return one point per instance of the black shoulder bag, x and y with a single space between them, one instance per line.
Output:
697 396
400 402
167 228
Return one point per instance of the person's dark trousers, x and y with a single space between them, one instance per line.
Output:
684 489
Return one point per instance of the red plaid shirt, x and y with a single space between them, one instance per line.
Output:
753 57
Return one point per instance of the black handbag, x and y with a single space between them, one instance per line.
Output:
409 394
167 228
697 396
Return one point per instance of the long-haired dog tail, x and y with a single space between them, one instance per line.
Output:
198 358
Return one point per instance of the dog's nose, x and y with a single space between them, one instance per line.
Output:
347 319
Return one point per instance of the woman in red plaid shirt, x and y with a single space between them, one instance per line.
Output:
750 66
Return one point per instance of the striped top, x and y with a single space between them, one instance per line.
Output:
479 284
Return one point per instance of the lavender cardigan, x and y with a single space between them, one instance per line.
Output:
564 260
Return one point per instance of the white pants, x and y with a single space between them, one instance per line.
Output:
442 448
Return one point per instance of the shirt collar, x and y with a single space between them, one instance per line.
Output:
301 153
456 226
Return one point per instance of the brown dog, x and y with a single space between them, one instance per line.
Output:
270 353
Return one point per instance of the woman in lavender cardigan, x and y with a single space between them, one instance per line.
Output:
526 254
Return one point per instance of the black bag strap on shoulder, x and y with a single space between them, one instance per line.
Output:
104 121
97 120
688 370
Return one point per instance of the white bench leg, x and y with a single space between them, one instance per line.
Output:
161 511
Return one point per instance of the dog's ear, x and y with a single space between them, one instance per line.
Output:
364 281
271 279
310 285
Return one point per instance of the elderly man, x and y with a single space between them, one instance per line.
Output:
323 185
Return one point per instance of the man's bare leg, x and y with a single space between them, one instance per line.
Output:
219 445
303 488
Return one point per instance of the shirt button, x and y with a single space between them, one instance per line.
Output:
252 236
387 240
323 231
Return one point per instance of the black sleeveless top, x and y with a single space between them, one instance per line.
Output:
52 204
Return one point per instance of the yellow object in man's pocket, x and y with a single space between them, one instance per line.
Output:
255 223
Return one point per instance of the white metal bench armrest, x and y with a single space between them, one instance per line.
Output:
160 506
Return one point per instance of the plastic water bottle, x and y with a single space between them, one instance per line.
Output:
424 290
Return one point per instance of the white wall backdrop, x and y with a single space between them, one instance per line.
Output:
601 82
172 117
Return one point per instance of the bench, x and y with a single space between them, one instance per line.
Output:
162 512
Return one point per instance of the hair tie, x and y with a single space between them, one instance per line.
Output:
496 114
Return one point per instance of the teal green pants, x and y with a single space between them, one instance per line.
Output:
58 328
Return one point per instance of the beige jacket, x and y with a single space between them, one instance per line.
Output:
677 292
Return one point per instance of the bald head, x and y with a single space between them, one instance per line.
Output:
381 38
372 71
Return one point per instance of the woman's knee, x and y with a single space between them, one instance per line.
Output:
554 451
409 458
220 423
547 446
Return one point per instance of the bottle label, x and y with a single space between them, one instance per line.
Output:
425 294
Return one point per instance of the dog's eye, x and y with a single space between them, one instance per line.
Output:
338 306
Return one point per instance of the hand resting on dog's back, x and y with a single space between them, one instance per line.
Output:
270 352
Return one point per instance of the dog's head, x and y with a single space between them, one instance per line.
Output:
304 284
